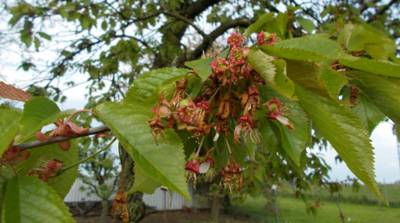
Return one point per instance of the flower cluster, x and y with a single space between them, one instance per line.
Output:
14 155
47 170
232 177
226 106
63 128
276 111
270 40
182 115
198 165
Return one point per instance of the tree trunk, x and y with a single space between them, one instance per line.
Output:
215 208
104 211
136 207
272 205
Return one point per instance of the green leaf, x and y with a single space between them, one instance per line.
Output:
307 75
258 25
338 124
369 114
9 121
28 199
385 68
142 182
268 138
273 71
6 173
332 80
307 24
269 23
39 156
295 141
308 48
45 36
318 77
38 112
201 67
365 38
162 161
145 88
382 91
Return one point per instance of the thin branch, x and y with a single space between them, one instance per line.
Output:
382 10
37 143
88 157
364 6
307 11
197 7
210 38
186 20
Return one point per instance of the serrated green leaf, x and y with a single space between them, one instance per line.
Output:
144 89
368 113
338 124
307 24
273 71
34 117
384 68
163 161
318 77
308 48
201 67
295 141
39 156
332 80
357 37
29 200
258 24
9 121
382 91
269 23
307 75
268 138
142 182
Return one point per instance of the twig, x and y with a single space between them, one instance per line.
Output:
37 143
186 20
88 157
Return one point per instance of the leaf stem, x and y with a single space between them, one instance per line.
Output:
88 157
200 145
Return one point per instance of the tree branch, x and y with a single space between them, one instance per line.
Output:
186 20
382 10
37 143
210 38
198 7
307 11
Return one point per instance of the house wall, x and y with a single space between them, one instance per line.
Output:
159 200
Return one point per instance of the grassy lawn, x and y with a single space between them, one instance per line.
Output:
293 210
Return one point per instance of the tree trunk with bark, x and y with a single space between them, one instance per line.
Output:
136 206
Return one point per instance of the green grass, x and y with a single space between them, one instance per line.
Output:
363 196
293 210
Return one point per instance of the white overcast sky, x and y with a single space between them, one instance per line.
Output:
386 155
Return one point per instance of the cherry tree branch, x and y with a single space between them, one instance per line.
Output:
57 139
382 10
211 37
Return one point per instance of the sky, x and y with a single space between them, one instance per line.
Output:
386 156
